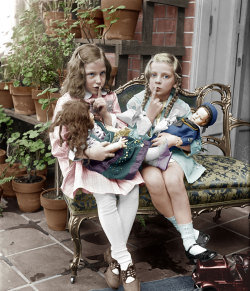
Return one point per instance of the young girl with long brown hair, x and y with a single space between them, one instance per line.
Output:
89 70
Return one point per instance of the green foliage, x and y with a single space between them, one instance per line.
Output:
5 125
141 220
30 149
87 17
46 102
111 18
35 58
57 5
87 4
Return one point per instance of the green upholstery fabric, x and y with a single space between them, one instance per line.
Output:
127 94
225 179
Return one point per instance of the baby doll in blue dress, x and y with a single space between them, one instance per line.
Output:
187 129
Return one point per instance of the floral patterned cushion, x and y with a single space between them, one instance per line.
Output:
225 179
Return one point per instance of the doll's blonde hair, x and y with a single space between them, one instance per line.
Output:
175 64
74 82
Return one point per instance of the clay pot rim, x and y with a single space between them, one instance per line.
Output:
50 203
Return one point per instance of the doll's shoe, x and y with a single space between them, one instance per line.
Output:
203 257
202 239
112 279
130 272
107 256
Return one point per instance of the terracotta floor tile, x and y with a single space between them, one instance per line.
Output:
225 242
22 239
226 215
86 280
11 219
9 278
241 226
42 263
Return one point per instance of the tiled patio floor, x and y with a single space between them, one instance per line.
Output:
33 257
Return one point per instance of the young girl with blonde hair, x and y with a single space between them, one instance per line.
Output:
88 72
160 100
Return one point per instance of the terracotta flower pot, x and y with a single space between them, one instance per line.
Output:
124 28
53 104
14 170
2 156
5 96
41 114
50 20
22 99
28 194
88 30
55 210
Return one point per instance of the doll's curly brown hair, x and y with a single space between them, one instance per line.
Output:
75 117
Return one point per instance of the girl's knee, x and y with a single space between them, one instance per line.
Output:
153 178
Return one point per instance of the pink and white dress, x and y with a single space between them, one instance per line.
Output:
75 175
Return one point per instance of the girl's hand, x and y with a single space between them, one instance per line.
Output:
163 138
154 108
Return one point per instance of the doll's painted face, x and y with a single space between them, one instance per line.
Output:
200 117
95 76
162 79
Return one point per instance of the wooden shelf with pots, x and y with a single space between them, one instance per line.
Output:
123 48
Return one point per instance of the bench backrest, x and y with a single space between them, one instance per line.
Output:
221 95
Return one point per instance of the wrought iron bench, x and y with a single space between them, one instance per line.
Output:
225 184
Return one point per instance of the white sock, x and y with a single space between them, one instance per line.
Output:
174 222
188 237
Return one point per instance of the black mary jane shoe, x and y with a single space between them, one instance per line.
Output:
203 257
202 239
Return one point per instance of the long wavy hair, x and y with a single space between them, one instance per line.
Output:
74 82
75 118
175 64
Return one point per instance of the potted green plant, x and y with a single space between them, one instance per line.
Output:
31 151
54 205
7 169
5 96
23 59
3 180
56 12
5 131
120 18
90 18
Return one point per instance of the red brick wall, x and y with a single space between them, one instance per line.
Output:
164 33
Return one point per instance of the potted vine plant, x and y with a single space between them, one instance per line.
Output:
54 205
7 169
32 151
23 62
57 13
90 18
6 129
3 180
35 60
5 96
120 18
